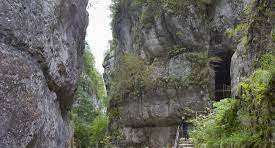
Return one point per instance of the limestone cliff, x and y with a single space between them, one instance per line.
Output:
188 47
41 45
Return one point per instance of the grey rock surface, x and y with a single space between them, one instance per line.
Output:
41 45
194 29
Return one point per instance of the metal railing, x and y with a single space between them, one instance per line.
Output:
225 92
197 114
177 138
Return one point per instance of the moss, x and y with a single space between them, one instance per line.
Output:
179 5
131 77
200 68
174 82
239 33
177 51
155 8
148 15
273 33
199 75
273 36
198 58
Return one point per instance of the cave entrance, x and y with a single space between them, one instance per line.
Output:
222 74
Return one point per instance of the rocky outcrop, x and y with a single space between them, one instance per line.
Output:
41 45
179 43
256 42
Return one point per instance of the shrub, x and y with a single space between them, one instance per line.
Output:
240 123
131 76
98 130
223 128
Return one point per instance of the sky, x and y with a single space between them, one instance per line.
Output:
99 30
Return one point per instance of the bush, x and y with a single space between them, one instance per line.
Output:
223 128
131 76
98 130
211 131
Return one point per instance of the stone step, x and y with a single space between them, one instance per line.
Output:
190 139
180 146
188 142
185 143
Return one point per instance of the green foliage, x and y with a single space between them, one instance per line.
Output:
210 130
240 123
91 81
98 129
147 16
267 62
154 8
171 82
132 76
175 5
201 69
273 33
176 51
81 136
180 5
115 7
239 32
85 114
222 128
256 85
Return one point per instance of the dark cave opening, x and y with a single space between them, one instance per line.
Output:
222 74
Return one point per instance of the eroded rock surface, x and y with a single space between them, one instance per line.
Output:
41 45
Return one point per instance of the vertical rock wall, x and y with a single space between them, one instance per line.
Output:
178 44
41 45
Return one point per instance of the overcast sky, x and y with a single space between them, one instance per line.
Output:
99 30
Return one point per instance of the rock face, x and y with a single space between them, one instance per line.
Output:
175 42
41 45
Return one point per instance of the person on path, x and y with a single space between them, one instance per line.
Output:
184 127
